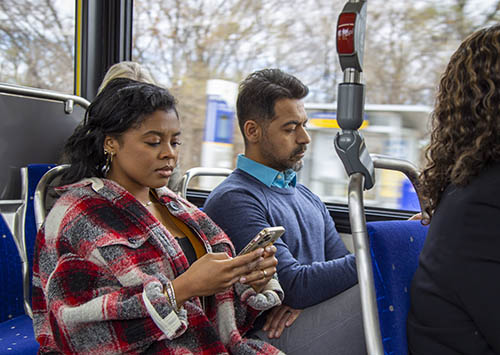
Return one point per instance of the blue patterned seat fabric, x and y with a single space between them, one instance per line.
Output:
11 281
17 337
16 328
394 247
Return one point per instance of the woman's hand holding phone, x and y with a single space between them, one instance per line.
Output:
264 271
267 268
214 273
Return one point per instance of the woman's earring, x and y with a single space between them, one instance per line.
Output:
109 160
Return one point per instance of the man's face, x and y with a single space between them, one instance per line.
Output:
285 138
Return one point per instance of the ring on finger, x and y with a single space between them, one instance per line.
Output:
264 272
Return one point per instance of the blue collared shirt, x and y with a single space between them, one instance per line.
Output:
266 175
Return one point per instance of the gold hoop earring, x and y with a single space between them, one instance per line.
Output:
109 160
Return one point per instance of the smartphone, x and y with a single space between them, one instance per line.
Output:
266 237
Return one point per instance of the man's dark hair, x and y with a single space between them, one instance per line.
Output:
259 92
121 105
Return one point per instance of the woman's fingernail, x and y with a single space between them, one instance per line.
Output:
243 279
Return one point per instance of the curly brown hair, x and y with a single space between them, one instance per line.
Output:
466 120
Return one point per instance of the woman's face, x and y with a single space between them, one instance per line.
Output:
145 156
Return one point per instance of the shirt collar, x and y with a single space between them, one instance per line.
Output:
268 176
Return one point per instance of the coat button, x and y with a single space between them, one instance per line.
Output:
173 206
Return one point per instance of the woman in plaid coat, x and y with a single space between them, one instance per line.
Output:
122 264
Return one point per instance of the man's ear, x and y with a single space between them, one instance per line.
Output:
253 131
110 144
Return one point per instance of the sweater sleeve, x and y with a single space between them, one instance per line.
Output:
334 246
242 215
308 284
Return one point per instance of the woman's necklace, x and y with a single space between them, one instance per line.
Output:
147 204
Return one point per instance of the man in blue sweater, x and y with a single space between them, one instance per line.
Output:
321 313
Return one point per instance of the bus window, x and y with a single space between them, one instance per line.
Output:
392 130
188 44
37 43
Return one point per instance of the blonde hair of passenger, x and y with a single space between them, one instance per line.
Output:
128 70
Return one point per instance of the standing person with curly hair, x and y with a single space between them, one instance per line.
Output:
455 291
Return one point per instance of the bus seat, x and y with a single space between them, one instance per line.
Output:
17 336
11 281
16 328
27 229
394 247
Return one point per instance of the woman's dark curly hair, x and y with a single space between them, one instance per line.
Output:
466 120
121 105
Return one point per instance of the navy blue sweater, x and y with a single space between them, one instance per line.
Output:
313 262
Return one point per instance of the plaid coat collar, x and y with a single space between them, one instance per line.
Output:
177 206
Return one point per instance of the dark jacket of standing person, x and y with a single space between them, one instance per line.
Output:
455 291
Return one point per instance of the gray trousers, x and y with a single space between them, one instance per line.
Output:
334 326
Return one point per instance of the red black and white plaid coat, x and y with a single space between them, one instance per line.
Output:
101 263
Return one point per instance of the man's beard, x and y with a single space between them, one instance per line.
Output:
282 165
299 163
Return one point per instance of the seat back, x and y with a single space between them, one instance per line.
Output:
26 225
395 247
11 281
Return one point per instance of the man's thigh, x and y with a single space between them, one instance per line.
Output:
334 326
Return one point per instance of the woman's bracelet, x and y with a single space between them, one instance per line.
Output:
171 295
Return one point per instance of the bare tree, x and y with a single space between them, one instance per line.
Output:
36 44
409 43
187 42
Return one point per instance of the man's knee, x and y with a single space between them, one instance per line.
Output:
335 323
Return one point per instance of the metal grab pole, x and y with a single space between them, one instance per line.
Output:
45 94
351 149
357 218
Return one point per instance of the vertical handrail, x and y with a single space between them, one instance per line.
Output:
359 233
19 237
352 151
